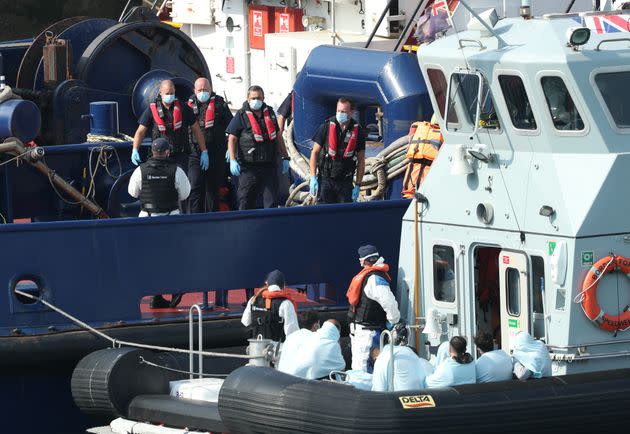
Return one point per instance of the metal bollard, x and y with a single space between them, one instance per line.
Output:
190 340
258 347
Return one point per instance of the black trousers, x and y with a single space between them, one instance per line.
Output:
254 179
335 190
204 186
181 159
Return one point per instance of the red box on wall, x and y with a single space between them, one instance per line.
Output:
260 23
288 20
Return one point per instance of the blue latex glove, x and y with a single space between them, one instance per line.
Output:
285 167
205 161
235 168
227 156
135 157
355 192
313 186
389 325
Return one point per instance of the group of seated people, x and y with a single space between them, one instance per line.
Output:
314 352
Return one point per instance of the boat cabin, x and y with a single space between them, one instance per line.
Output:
523 222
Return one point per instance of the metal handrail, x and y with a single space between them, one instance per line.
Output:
381 343
479 43
191 333
610 40
117 343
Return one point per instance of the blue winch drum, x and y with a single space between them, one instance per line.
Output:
20 118
104 118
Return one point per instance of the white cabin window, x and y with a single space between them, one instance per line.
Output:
563 111
439 88
513 279
463 102
443 273
615 90
517 102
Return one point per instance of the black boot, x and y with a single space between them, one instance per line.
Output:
158 302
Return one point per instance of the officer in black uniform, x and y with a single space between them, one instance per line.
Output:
253 143
213 116
166 117
338 150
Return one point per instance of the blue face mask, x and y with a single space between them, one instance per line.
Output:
255 104
168 99
342 117
203 96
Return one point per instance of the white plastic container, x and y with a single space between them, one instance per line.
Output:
202 389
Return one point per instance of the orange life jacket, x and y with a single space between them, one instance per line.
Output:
270 295
271 128
423 149
354 290
209 118
158 116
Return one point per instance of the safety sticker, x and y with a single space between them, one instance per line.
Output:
552 247
416 401
587 258
513 323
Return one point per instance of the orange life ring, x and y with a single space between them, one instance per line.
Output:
593 311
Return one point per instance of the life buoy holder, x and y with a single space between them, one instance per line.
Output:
588 296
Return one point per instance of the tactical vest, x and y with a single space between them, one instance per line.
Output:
368 312
267 322
342 164
158 193
177 137
251 150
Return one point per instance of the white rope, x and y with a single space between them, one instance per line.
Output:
579 298
117 343
143 361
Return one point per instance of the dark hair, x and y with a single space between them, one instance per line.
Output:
308 319
255 88
484 341
458 344
344 100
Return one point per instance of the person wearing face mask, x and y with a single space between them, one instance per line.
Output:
169 119
213 116
338 150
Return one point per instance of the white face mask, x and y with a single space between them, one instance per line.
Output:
203 96
168 99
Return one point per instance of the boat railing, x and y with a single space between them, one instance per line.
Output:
116 343
191 344
387 333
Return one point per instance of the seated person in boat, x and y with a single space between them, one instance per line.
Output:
410 370
292 346
491 365
272 312
320 353
458 369
530 357
442 354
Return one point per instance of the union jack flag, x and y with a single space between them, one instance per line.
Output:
608 23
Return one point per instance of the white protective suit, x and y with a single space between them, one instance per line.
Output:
320 353
442 354
291 350
377 289
409 370
532 354
451 373
493 366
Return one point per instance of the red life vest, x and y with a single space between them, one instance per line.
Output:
209 118
158 116
332 141
271 128
285 293
354 290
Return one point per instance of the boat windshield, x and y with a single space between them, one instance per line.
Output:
615 90
563 111
463 102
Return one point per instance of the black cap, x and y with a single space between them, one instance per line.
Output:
367 251
160 145
276 277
